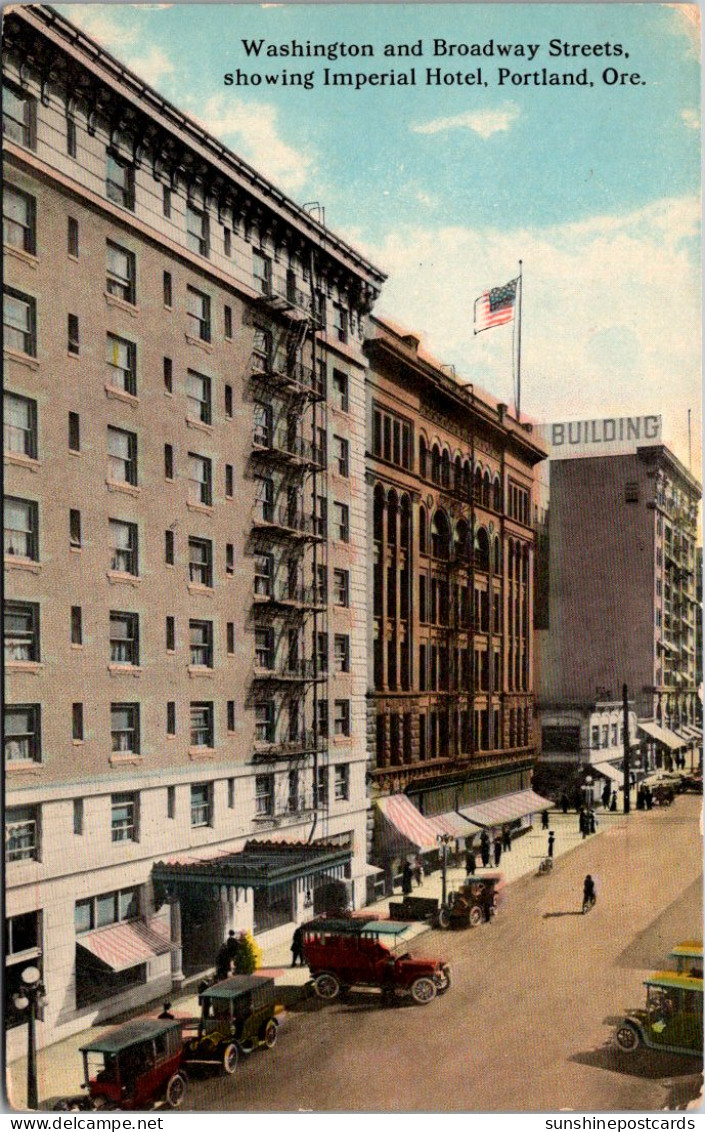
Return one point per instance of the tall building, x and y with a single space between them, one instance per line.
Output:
450 482
185 525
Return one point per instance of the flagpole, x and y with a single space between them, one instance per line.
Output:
518 380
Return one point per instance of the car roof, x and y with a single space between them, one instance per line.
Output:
237 985
688 949
131 1034
358 927
673 980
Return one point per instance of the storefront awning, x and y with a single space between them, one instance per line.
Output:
122 946
261 864
404 826
365 869
614 773
450 823
508 807
662 735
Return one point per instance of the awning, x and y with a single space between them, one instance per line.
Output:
661 734
124 945
450 823
614 773
403 825
365 869
261 864
506 808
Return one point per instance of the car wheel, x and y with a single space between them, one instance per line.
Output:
475 915
444 981
248 1046
271 1032
444 918
327 985
230 1059
627 1037
423 991
71 1104
175 1094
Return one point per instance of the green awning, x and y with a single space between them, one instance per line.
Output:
261 864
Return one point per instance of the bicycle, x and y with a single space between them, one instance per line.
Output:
588 903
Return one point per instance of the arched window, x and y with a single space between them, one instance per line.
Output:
440 535
497 494
392 519
423 470
510 560
497 556
445 469
482 550
422 530
478 484
486 489
467 478
525 565
405 525
436 465
378 522
461 541
457 476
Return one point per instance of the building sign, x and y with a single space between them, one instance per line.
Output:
611 436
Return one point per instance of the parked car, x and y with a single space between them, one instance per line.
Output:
693 783
476 900
672 1018
346 953
687 958
238 1015
663 794
136 1067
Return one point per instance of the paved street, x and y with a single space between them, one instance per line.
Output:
528 1023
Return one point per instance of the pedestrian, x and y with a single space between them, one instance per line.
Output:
544 819
497 851
564 802
297 947
470 862
222 963
166 1011
551 839
606 795
613 802
232 946
418 872
592 822
649 797
406 877
506 840
485 852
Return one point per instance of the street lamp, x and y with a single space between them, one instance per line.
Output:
587 789
30 996
444 840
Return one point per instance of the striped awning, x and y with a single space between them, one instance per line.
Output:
122 946
614 773
451 823
662 735
404 825
506 808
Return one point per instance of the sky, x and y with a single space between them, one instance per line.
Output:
446 187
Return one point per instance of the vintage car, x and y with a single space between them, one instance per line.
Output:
238 1015
672 1018
346 953
476 900
136 1067
687 958
693 782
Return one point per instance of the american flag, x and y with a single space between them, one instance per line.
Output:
495 307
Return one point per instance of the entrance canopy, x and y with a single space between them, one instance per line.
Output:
260 865
662 735
508 807
614 773
124 945
403 826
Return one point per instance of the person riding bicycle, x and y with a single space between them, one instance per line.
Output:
589 894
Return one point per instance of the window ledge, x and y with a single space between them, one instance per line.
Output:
124 670
32 666
19 253
197 754
200 426
121 395
75 549
78 742
14 562
126 759
23 767
201 508
200 343
195 588
118 578
76 648
21 358
342 740
21 461
121 304
200 670
124 488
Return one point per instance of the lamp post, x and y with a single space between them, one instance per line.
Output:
587 789
29 997
444 840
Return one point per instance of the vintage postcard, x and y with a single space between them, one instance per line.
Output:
352 558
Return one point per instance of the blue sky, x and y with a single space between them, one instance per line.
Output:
447 187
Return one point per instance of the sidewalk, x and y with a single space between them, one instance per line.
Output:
59 1066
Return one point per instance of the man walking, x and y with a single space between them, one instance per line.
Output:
485 849
551 839
544 819
506 840
406 878
470 862
497 851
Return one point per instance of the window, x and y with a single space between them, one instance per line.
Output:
264 570
71 147
19 116
631 492
120 181
170 634
108 908
166 201
201 642
74 432
228 321
123 817
121 273
321 590
198 307
198 396
264 795
21 631
21 535
263 425
19 220
73 337
321 646
122 456
21 833
340 390
322 786
229 481
20 425
123 546
264 490
341 448
168 462
341 587
293 798
124 638
340 322
231 715
228 401
201 808
342 782
202 725
201 562
22 733
19 322
197 229
75 529
167 293
323 718
171 721
230 637
227 242
229 558
77 722
341 723
121 357
72 237
262 269
264 721
76 625
264 647
169 548
125 728
200 491
342 652
78 817
342 522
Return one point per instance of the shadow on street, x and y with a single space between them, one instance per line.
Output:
652 1064
553 915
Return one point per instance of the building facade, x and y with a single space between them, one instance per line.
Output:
185 523
450 482
584 739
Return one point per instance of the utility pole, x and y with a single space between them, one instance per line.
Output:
625 709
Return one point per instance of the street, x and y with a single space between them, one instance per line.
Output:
528 1022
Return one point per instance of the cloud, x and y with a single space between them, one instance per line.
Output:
611 310
691 119
153 66
252 129
98 22
482 122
